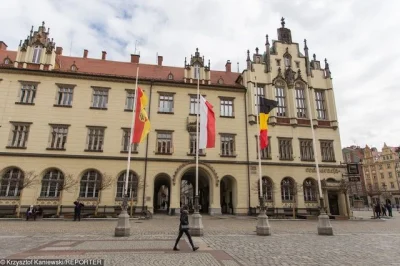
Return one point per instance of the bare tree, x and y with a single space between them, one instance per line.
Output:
104 183
69 184
134 189
28 180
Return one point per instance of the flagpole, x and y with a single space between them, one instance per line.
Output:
324 225
262 228
197 146
131 135
257 111
123 227
196 228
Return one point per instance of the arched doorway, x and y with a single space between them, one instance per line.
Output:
227 192
188 188
161 193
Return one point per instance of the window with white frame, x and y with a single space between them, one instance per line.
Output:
193 143
58 137
52 184
285 149
10 183
227 107
166 103
287 189
90 184
320 102
19 135
266 152
300 100
327 151
164 142
306 150
228 145
95 139
193 108
27 94
280 98
132 185
196 73
130 98
126 137
65 95
100 98
310 190
267 188
260 92
37 52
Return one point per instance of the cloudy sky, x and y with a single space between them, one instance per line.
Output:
360 39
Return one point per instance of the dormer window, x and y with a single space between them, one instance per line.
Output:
170 76
6 61
37 51
73 68
196 74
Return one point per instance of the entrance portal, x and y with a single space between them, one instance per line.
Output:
227 195
162 195
188 183
333 203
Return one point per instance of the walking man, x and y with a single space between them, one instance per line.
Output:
184 228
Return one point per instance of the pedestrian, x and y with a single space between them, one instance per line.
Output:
378 211
383 210
77 210
31 212
397 207
389 209
184 228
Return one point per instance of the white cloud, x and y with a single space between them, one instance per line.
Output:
359 38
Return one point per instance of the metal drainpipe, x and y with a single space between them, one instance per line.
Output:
247 150
147 149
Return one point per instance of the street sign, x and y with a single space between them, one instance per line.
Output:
352 169
354 178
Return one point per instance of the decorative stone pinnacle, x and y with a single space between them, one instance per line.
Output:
305 44
283 22
266 40
315 57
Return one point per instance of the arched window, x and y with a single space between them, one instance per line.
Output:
288 60
196 74
51 183
170 76
90 184
310 190
287 189
37 51
10 183
6 61
267 188
132 185
280 98
300 100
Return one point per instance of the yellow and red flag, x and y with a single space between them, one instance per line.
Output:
142 122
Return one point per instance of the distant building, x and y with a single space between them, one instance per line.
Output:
382 174
357 192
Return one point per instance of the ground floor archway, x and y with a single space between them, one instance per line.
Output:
188 189
161 194
227 193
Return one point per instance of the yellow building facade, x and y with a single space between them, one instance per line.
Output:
68 118
382 175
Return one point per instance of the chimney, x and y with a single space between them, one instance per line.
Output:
3 46
228 66
160 59
135 58
85 53
103 55
59 50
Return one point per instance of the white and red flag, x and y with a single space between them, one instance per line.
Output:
207 124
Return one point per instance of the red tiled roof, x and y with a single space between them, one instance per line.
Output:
4 53
127 69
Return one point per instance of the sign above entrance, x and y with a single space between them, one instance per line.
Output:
354 178
323 170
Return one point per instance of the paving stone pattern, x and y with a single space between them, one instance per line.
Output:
228 241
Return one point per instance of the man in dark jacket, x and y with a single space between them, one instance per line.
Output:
184 228
77 210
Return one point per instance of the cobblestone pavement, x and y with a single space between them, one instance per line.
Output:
227 241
